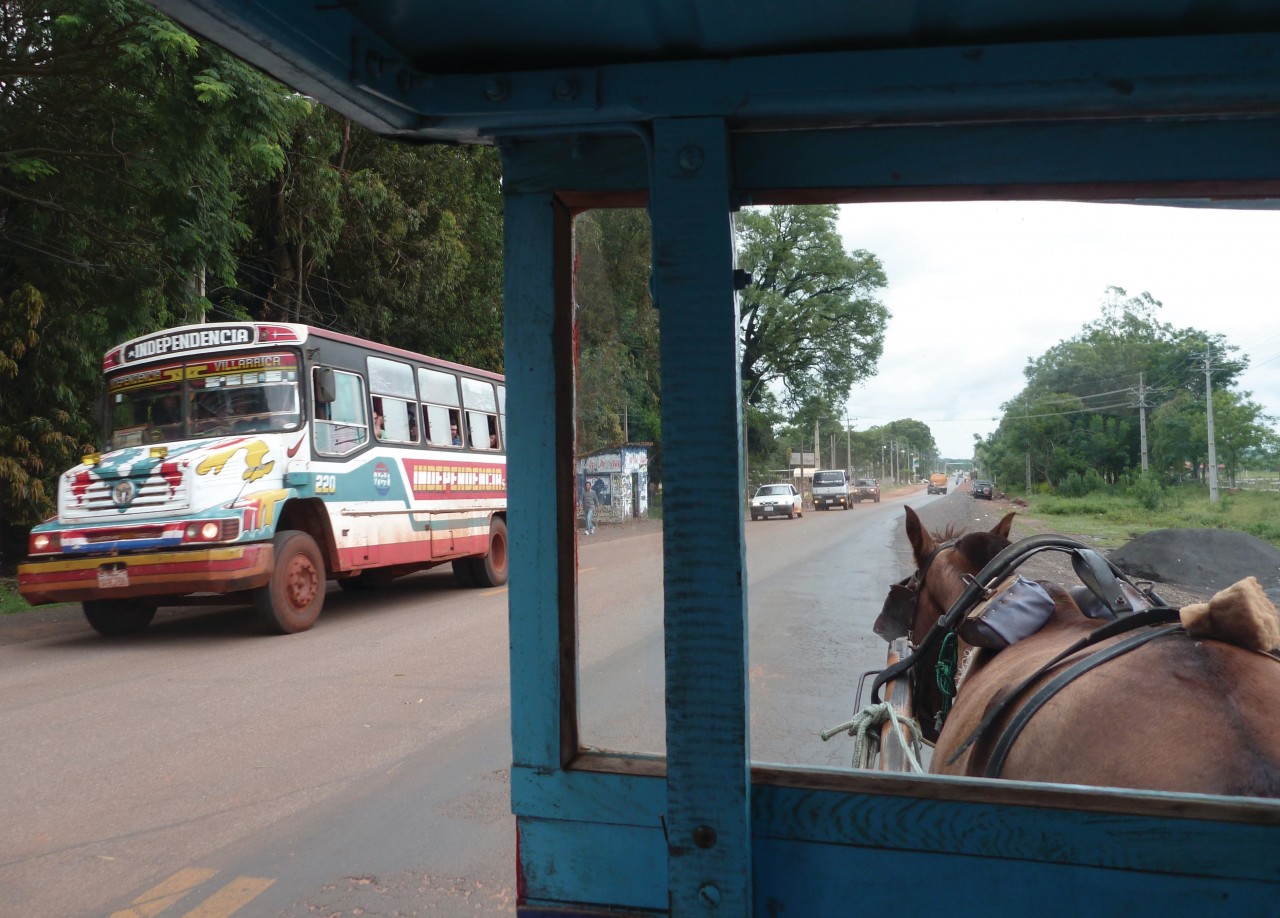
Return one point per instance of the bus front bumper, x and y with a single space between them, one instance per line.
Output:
227 569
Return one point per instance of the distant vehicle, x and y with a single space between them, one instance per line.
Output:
866 489
938 483
983 489
830 489
776 500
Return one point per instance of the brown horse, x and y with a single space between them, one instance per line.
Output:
1173 714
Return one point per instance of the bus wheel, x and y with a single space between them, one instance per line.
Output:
291 602
114 617
491 570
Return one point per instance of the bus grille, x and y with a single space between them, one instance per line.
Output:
94 497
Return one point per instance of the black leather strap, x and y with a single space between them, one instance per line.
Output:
1161 615
1010 734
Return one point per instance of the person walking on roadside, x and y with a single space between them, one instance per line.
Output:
591 501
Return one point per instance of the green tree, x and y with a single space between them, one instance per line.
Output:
811 322
124 143
1079 409
618 380
379 239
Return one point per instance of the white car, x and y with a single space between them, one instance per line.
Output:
776 500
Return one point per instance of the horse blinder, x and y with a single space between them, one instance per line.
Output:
899 609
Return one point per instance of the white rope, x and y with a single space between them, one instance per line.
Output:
865 730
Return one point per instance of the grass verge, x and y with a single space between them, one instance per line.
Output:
1110 519
10 601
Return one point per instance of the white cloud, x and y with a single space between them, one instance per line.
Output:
976 289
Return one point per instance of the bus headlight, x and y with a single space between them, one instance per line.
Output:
44 542
212 531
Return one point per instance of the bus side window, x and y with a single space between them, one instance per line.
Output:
439 393
394 399
482 430
482 413
347 428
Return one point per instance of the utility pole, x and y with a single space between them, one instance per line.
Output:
1026 409
1142 419
848 444
1208 408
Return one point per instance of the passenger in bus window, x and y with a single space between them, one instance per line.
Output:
379 423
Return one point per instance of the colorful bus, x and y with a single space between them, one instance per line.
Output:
259 461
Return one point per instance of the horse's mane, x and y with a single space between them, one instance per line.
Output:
975 548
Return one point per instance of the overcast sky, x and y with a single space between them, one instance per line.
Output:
976 289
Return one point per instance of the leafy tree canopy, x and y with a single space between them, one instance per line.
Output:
811 321
1079 410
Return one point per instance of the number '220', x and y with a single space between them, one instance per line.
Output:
326 484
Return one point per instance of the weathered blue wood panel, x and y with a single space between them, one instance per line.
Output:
534 501
972 161
588 864
590 796
1179 834
799 879
704 547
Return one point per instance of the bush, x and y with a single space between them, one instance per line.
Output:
1078 485
1147 491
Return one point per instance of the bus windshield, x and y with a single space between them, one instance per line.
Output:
207 398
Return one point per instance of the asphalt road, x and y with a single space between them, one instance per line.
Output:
202 769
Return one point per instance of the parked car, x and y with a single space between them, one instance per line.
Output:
776 500
866 489
983 489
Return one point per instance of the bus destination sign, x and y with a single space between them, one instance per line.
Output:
177 342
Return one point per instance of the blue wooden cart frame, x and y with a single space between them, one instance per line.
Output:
741 104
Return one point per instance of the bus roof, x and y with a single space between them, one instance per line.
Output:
193 339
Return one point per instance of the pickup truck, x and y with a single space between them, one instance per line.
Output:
866 489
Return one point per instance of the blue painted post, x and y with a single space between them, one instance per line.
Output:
536 504
708 774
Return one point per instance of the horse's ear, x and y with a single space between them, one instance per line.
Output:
921 542
1002 528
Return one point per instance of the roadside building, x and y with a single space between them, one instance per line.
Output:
619 476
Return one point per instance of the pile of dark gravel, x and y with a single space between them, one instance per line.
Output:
1209 559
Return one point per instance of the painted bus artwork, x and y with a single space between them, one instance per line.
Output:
263 460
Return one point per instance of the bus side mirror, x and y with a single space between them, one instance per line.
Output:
326 388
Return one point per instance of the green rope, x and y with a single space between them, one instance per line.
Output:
946 674
865 730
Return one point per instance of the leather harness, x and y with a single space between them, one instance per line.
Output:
1101 577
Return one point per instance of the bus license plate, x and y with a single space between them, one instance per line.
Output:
111 577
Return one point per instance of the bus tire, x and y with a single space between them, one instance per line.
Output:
491 570
292 600
115 617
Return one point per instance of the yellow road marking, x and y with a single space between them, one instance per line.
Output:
158 898
226 901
